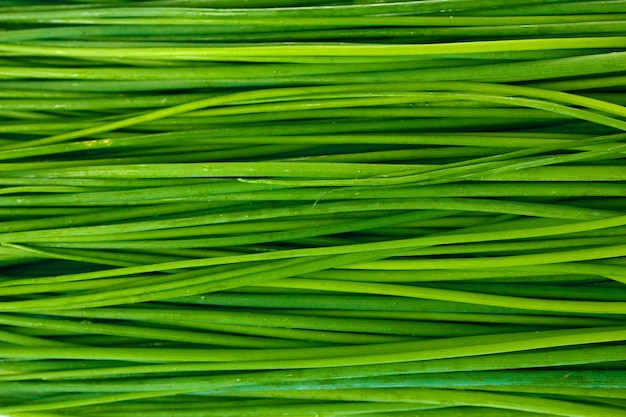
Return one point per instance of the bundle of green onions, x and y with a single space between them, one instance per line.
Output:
313 208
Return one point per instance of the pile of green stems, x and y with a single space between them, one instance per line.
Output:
312 208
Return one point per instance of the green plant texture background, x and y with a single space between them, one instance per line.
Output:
322 208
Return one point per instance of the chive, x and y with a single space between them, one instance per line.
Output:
324 207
